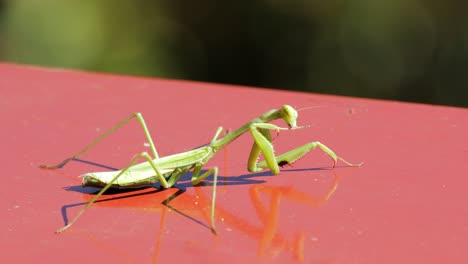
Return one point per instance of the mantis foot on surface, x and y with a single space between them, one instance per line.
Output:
167 170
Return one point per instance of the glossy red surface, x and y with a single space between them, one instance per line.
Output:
407 204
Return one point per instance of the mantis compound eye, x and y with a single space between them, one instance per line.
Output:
289 115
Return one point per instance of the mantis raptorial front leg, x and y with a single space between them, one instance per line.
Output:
262 143
168 170
297 153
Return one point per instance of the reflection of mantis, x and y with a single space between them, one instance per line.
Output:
271 238
268 234
167 170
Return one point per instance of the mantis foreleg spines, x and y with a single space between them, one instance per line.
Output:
167 170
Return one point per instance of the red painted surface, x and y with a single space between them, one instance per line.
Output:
407 204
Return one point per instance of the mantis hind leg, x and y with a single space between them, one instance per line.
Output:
145 155
110 131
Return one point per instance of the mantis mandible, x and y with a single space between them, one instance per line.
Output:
167 170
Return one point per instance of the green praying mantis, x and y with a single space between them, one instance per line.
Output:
167 170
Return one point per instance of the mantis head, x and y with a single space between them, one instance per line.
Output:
289 115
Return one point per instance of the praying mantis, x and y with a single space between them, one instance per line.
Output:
167 170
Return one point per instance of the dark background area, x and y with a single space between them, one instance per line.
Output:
399 49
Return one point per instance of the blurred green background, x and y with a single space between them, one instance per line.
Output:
406 50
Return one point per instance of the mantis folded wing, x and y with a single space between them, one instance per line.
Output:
167 170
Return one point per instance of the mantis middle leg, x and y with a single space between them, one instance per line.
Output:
197 178
110 131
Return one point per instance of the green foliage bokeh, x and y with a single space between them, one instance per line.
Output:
409 50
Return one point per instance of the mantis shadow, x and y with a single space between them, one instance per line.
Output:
94 164
181 186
